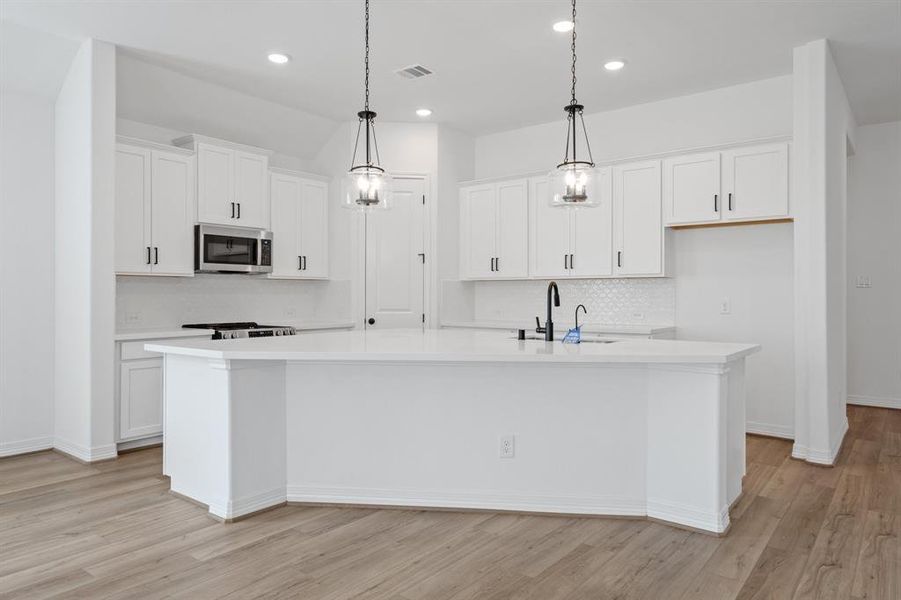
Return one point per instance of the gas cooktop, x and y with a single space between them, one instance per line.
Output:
248 329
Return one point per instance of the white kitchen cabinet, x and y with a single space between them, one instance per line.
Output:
638 236
154 211
565 242
140 398
299 208
748 183
691 188
232 182
494 230
755 182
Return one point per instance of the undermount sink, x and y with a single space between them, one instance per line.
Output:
586 339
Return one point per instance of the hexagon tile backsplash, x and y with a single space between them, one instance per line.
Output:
610 301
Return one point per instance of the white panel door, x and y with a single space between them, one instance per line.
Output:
172 230
215 192
592 232
285 197
132 234
638 227
755 182
314 228
251 173
549 233
141 398
478 231
691 188
394 259
512 255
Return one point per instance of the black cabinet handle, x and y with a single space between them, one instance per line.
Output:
565 261
619 258
299 264
730 200
148 255
304 262
233 210
156 255
497 263
239 210
572 261
716 207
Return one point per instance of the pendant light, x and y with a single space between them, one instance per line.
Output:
367 185
573 183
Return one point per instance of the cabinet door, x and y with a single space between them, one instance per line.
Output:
141 398
592 231
638 227
512 255
691 188
755 182
314 228
549 232
251 197
132 209
478 230
215 194
172 214
285 196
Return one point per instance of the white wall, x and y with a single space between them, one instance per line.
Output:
26 273
874 252
751 268
741 113
823 131
84 281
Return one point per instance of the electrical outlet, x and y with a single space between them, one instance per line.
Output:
133 318
725 307
863 281
291 312
637 317
507 446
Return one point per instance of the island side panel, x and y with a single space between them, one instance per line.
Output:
688 445
428 435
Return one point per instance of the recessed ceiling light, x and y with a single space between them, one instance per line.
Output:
563 26
423 112
279 58
614 65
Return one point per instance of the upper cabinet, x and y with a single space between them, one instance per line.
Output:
299 226
494 230
638 236
232 182
742 184
154 211
566 242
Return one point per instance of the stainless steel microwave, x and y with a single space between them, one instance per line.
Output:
224 249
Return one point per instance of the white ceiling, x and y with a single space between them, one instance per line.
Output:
498 64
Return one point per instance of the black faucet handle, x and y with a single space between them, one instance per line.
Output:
538 327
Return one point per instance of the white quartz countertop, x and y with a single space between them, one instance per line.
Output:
587 327
160 333
447 345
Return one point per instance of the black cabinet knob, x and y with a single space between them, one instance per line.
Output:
371 321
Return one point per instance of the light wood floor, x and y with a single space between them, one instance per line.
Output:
112 530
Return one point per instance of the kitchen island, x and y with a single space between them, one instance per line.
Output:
458 419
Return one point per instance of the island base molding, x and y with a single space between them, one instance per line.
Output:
633 440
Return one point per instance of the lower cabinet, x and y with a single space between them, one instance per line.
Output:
140 398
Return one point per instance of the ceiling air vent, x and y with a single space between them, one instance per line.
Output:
413 72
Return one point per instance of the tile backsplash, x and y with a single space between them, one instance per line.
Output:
610 301
206 298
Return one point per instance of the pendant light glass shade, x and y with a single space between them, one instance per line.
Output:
367 184
574 183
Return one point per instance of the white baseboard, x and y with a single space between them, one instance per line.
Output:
688 515
876 401
612 505
134 444
248 504
84 453
25 446
820 456
780 431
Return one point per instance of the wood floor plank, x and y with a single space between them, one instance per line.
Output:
113 530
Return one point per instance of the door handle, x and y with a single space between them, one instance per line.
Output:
619 258
730 200
233 210
148 255
371 321
156 255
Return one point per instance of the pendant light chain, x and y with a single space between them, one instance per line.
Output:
366 59
573 48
